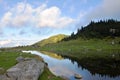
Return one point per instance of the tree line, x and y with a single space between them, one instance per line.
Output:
100 29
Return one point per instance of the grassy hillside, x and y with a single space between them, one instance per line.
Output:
86 48
100 29
53 39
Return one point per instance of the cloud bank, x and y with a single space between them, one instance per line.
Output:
107 9
4 42
23 14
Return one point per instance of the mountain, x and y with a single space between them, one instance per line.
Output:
50 40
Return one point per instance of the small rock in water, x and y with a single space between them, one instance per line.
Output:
78 76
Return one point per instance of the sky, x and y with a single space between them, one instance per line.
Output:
24 22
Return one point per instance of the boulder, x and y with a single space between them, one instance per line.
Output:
77 76
3 77
27 70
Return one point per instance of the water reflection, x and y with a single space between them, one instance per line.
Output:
53 55
89 69
110 68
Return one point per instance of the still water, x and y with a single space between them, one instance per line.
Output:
67 68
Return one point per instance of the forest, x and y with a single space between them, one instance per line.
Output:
100 29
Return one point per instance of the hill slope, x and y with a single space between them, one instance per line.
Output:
50 40
101 29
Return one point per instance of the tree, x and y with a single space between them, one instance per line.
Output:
99 29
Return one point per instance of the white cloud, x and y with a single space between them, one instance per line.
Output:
40 16
4 42
49 17
6 19
13 43
108 9
52 17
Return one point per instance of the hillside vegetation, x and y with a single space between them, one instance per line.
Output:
97 39
50 40
80 47
100 30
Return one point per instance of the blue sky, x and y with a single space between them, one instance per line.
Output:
23 22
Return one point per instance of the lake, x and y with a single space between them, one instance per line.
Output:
67 67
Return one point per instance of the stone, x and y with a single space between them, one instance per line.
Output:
26 70
77 76
3 77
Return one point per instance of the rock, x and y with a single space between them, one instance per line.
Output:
20 59
26 70
78 76
3 77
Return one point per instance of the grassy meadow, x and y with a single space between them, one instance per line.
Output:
81 48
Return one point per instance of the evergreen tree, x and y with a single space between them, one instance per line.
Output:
98 29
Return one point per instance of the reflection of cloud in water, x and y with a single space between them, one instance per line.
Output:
62 71
67 68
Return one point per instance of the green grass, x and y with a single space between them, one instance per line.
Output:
47 75
50 40
81 48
